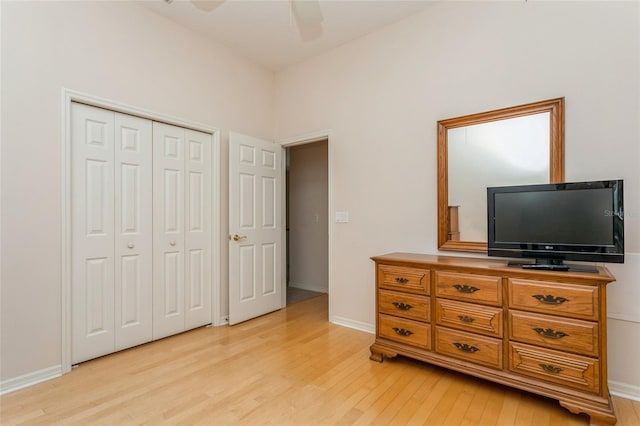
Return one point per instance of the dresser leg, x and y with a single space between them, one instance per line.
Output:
378 353
604 417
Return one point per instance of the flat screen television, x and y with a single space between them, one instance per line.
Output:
551 223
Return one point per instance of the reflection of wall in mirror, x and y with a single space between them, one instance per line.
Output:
499 153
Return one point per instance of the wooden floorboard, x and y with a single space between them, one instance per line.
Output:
291 367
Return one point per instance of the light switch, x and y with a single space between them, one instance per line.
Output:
342 217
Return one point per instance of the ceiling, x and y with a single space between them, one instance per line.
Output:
265 31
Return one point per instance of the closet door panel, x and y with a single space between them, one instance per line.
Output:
92 239
198 229
134 232
168 230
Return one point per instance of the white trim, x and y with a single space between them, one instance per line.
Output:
624 390
623 317
356 325
305 286
65 233
216 219
30 379
283 227
69 96
317 136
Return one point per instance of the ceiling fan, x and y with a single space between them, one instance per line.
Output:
306 14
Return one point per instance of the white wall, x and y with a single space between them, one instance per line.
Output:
382 95
114 50
308 222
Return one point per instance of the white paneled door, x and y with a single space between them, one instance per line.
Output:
182 229
111 231
197 237
255 227
133 231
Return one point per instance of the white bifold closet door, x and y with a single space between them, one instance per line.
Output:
141 230
111 231
181 229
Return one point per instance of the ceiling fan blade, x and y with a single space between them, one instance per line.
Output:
308 17
207 5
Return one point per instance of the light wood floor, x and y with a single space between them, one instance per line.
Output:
291 367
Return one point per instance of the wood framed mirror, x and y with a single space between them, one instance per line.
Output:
510 146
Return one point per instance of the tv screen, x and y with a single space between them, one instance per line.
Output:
556 222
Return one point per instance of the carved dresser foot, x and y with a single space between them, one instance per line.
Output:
376 355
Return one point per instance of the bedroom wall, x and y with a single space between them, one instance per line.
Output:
118 51
381 96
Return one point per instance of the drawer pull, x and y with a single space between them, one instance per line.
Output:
402 306
463 288
550 368
466 318
466 348
402 280
550 299
550 333
402 332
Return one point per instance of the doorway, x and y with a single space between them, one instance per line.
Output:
307 221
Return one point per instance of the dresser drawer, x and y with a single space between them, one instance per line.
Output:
469 347
554 332
558 367
405 279
468 287
404 305
470 317
580 301
405 331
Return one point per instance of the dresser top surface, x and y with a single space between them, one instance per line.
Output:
482 265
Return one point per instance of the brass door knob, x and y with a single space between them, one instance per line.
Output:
237 237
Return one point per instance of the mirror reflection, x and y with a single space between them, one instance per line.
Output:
506 152
518 145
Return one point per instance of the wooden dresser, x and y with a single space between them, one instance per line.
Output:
540 331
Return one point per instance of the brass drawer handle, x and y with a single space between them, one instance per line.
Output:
402 306
550 333
466 348
550 299
550 368
402 332
463 288
466 318
402 280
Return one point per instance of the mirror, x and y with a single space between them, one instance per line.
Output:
511 146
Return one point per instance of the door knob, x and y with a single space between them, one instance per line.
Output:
172 242
131 245
237 237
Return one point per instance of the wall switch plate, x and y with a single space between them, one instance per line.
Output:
342 217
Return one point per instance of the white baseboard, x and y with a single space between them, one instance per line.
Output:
30 379
624 390
310 287
356 325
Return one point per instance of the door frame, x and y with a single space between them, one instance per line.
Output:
318 136
69 96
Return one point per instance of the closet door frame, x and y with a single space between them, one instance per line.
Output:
68 97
